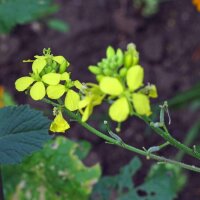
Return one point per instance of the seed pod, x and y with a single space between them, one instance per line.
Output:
110 52
94 69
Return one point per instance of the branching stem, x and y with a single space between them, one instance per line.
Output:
111 140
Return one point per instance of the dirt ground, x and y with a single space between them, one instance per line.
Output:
169 46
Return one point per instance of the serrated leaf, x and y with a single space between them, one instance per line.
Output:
107 184
22 131
162 183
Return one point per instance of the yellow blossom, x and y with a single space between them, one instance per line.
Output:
59 124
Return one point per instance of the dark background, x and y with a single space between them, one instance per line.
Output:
169 46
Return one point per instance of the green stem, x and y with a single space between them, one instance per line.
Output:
170 139
123 145
190 137
128 147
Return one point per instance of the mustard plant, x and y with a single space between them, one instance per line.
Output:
120 82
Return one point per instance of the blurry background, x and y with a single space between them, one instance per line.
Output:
167 35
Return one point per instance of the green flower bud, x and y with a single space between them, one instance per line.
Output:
95 70
63 66
128 60
123 72
120 57
48 69
54 65
107 72
110 52
105 64
112 65
99 77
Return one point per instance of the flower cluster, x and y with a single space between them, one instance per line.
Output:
120 81
121 78
50 78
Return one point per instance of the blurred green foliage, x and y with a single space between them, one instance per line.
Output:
56 172
148 7
163 182
58 25
13 12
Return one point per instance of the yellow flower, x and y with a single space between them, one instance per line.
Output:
47 71
72 100
197 4
59 124
128 97
93 96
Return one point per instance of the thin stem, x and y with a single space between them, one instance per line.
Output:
164 145
190 137
1 186
110 140
170 139
128 147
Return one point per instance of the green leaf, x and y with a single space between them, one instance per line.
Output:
58 25
104 188
83 149
56 171
22 131
13 12
163 182
170 178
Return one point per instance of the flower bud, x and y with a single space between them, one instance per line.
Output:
99 77
110 52
64 66
122 72
95 70
128 59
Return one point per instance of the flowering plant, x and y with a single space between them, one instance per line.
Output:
120 82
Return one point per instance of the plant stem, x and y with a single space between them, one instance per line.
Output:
128 147
170 139
122 145
1 186
190 137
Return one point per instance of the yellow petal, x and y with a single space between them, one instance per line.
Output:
37 91
59 124
87 112
110 85
72 100
23 83
134 77
78 84
51 78
152 91
59 59
83 103
141 104
55 91
64 76
38 65
119 110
